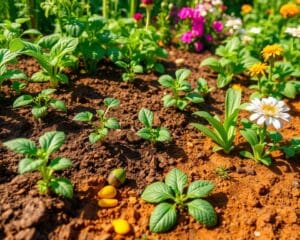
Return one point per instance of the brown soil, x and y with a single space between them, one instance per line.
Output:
257 202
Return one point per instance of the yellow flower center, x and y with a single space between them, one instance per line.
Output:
269 110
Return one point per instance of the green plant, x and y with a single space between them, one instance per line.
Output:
172 195
7 57
104 124
234 59
293 148
53 62
182 93
202 87
222 172
40 103
223 133
38 159
159 134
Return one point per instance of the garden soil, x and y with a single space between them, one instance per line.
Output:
256 202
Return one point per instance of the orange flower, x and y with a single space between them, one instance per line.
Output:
289 10
258 69
237 87
246 8
271 51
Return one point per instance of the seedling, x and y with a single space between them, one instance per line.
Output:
171 195
223 133
40 103
38 159
202 87
182 93
159 134
222 172
104 124
293 148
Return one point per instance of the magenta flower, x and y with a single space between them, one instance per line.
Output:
187 37
185 13
218 26
209 38
198 46
147 2
138 16
197 29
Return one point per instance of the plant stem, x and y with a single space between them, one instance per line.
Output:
148 15
105 8
132 8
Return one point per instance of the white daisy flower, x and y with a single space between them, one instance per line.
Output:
268 111
255 30
295 32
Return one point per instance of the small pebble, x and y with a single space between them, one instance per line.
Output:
257 234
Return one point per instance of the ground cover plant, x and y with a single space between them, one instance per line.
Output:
148 97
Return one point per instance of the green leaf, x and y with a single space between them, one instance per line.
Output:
60 163
250 135
22 101
83 117
39 112
111 102
182 74
159 68
63 78
40 76
145 133
209 133
176 180
289 90
163 218
146 117
169 100
195 97
21 145
29 165
48 91
199 189
95 137
203 212
58 104
211 62
163 135
181 104
166 81
112 123
157 192
62 187
138 69
52 141
232 101
275 136
246 154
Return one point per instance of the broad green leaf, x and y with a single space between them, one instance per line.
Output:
94 137
62 187
21 145
31 32
182 74
111 102
58 104
157 192
163 135
60 163
146 117
40 76
159 68
29 165
39 112
208 133
63 46
145 133
112 123
181 104
138 69
199 189
163 218
22 101
203 212
83 117
62 78
211 62
246 154
195 97
169 100
232 101
275 136
166 81
52 141
250 136
176 180
48 91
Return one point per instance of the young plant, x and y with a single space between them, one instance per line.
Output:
223 172
53 62
182 93
267 112
104 123
38 159
171 195
202 87
223 133
131 69
159 134
293 148
40 103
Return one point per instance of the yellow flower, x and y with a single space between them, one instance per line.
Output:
246 8
289 10
258 69
272 51
237 87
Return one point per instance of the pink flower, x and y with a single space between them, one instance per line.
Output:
197 28
209 38
187 37
147 2
138 16
218 26
185 13
198 46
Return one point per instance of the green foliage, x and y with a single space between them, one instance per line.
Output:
104 124
222 172
53 62
40 103
38 159
223 133
293 148
159 134
172 194
182 93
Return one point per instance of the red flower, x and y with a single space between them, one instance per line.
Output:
138 16
147 2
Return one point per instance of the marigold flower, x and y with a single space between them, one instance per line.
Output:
272 51
258 69
289 10
246 8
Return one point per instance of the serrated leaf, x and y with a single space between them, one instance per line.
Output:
203 212
62 187
52 141
83 117
157 192
60 163
176 180
163 218
29 165
199 189
21 145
